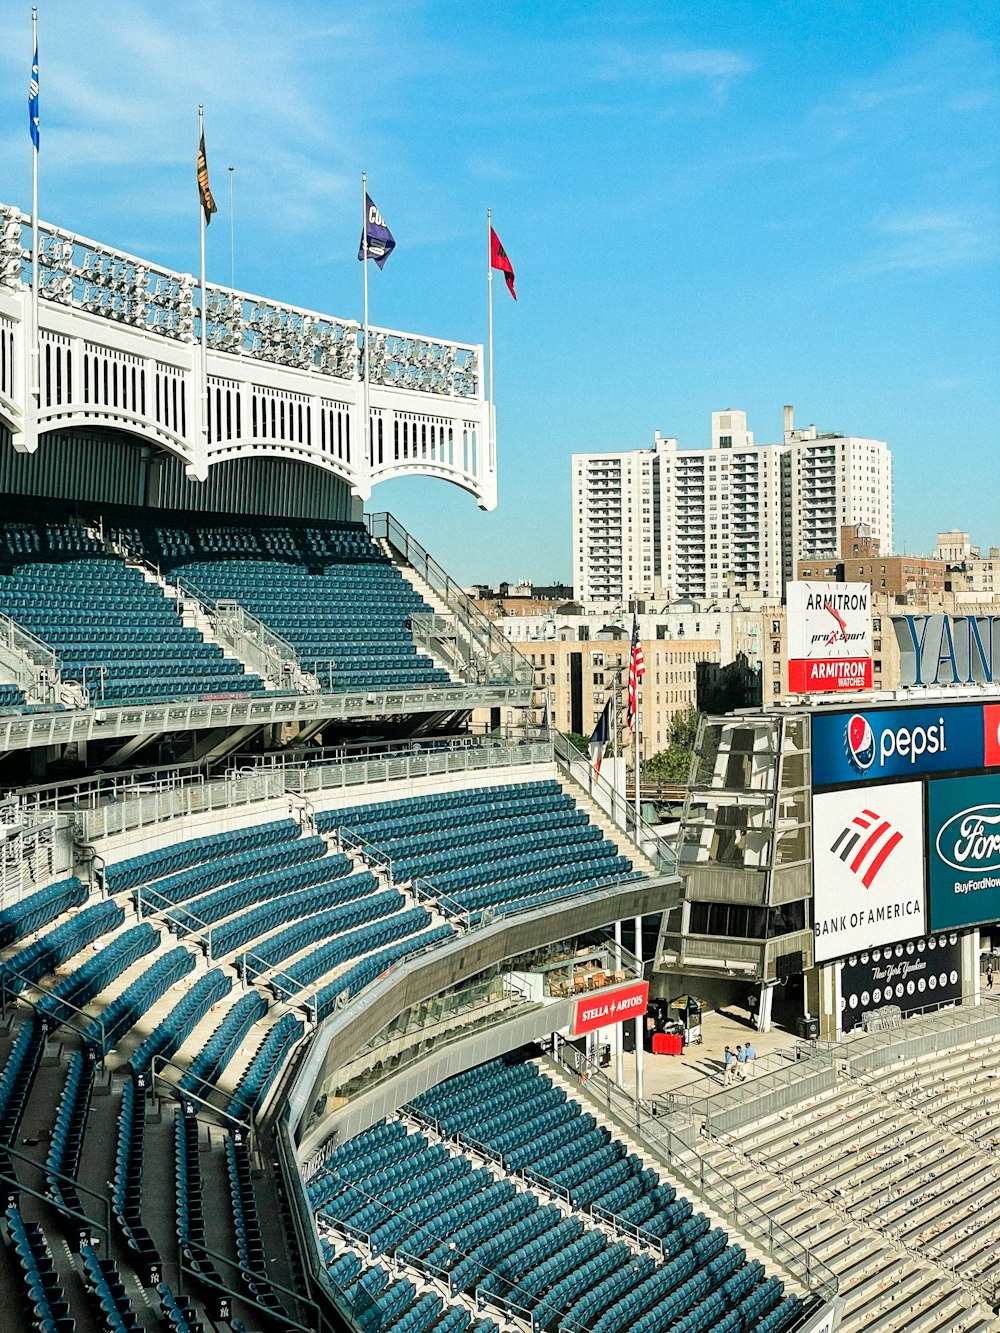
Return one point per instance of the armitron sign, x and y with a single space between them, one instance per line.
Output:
829 637
602 1009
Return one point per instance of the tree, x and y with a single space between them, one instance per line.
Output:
672 766
582 743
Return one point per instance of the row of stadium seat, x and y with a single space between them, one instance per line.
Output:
169 859
341 949
249 1241
126 1197
264 1067
222 902
101 1277
430 1207
11 696
360 1292
104 1031
172 1031
15 1084
317 923
39 908
49 951
43 1294
63 1159
192 1236
216 1052
77 990
184 885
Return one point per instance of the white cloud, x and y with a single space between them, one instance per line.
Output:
715 67
934 239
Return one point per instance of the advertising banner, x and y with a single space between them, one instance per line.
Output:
868 868
963 853
896 743
912 975
991 740
829 637
604 1008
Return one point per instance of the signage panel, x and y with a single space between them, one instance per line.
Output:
912 975
963 853
942 649
895 743
829 637
868 876
991 737
602 1009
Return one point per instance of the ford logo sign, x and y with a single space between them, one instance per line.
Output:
970 840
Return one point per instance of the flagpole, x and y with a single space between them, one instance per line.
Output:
204 304
489 284
639 1022
368 445
36 388
232 236
620 1030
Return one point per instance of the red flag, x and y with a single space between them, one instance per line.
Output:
499 260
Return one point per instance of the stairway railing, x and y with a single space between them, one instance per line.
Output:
465 636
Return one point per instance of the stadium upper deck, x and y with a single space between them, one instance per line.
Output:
119 346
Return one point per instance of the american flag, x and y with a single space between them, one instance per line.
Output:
636 671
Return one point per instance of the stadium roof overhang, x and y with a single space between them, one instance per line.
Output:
427 975
27 731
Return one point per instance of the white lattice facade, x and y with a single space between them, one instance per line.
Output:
118 345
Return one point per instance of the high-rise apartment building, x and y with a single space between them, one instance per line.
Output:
703 523
834 480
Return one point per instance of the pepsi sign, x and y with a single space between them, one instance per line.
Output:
895 743
964 851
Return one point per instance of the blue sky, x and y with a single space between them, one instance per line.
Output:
737 205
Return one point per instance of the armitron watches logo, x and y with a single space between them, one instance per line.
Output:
866 844
970 840
860 743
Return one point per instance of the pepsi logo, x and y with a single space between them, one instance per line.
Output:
860 743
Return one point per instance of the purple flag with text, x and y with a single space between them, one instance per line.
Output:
381 242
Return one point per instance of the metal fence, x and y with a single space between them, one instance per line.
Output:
675 1141
931 1034
125 811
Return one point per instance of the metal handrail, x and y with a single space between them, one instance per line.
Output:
484 637
710 1185
642 833
421 888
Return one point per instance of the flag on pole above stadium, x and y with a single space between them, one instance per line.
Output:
33 100
381 242
599 740
636 671
204 191
499 260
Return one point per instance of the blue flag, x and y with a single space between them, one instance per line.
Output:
33 99
380 239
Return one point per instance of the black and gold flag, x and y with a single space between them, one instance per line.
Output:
204 191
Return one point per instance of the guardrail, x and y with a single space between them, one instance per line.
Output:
241 787
467 637
678 1148
621 812
35 666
